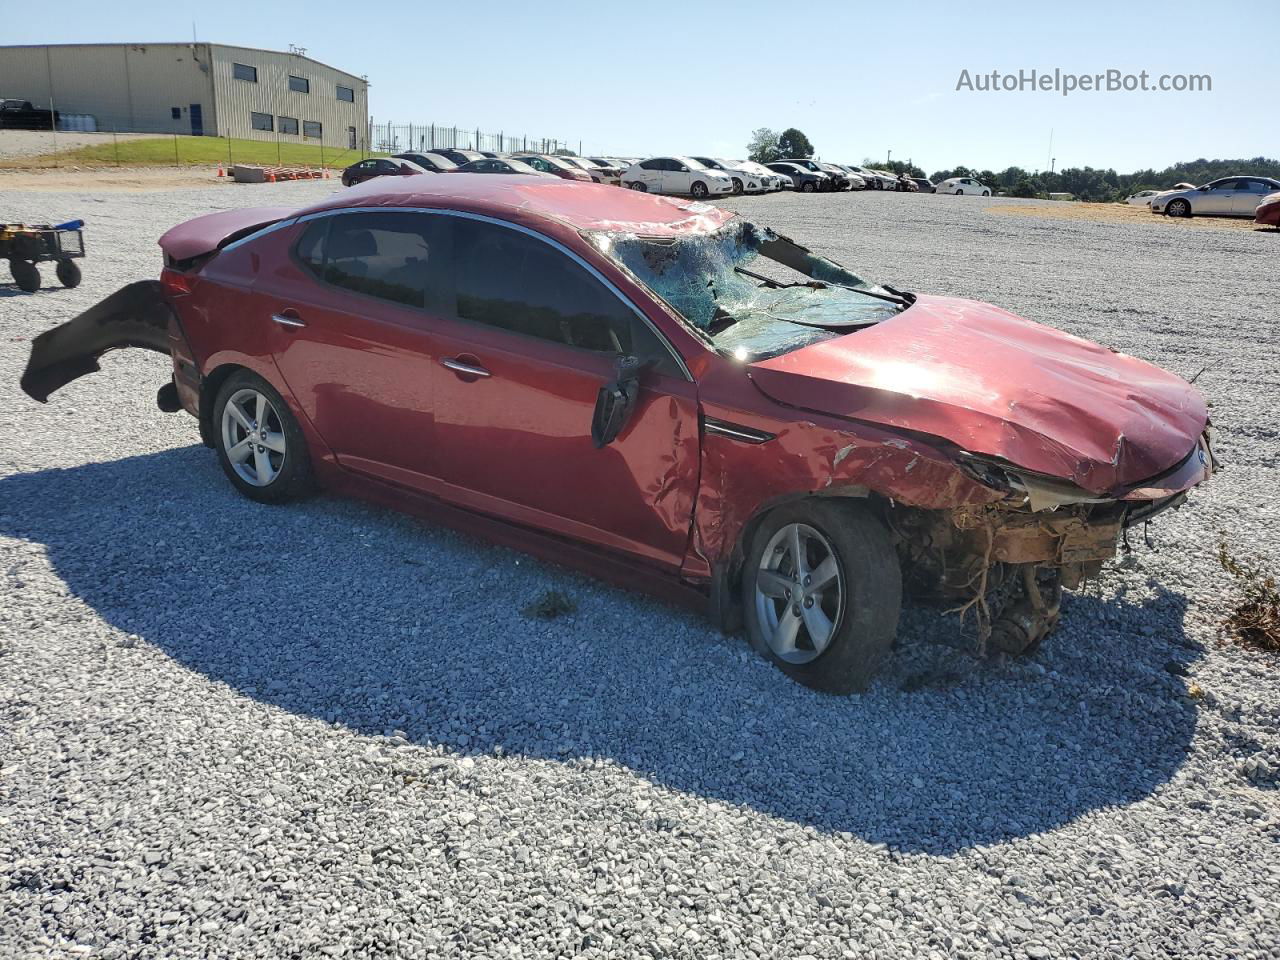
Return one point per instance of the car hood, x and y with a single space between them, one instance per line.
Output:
995 384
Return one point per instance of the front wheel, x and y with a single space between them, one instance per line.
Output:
822 591
737 187
986 193
25 275
261 448
699 190
1178 208
808 186
959 193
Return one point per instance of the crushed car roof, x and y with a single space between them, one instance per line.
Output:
583 206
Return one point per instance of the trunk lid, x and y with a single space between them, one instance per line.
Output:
215 230
993 383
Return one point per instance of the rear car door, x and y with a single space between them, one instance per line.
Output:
1217 200
536 333
352 312
1249 196
651 173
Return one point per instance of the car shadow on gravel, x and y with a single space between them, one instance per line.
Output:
369 620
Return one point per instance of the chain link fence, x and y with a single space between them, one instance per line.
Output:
424 137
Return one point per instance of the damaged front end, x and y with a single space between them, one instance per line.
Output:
1007 562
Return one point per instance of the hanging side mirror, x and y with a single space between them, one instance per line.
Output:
616 401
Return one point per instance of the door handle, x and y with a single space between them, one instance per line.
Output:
288 319
466 369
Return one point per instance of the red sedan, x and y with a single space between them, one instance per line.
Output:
660 393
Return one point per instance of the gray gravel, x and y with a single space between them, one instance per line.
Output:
230 730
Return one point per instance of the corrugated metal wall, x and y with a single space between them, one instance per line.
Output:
238 99
152 88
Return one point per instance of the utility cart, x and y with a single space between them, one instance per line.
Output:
24 245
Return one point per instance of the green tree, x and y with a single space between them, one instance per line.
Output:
763 145
793 143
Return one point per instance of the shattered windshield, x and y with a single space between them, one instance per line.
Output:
753 293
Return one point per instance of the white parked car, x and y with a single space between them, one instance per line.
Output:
743 182
677 176
871 179
1142 198
1228 197
963 186
773 181
600 173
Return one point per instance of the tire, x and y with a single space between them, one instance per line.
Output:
287 471
986 193
25 275
68 273
698 190
808 186
1178 208
858 608
637 185
959 193
737 187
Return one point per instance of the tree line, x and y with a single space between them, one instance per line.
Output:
1084 183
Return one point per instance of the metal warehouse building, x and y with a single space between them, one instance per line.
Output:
201 89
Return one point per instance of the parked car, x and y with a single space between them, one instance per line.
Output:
1142 198
743 181
1268 211
808 181
21 115
379 167
960 186
837 179
772 180
556 166
678 176
431 162
923 184
499 355
873 180
458 156
599 173
856 180
1227 197
486 165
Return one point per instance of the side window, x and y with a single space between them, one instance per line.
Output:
392 256
511 280
651 165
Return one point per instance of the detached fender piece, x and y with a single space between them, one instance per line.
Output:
134 316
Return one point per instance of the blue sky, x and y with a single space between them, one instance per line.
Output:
698 77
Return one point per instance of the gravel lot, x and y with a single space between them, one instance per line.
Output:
229 730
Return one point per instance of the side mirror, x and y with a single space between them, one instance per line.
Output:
684 169
616 401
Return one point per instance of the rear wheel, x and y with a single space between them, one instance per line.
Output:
637 185
822 590
1178 208
68 273
986 193
261 447
25 275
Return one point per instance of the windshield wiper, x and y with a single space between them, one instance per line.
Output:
894 296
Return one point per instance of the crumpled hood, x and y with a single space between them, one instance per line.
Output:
993 383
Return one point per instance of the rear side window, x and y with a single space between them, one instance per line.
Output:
397 257
516 282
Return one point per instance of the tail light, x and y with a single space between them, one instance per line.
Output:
175 282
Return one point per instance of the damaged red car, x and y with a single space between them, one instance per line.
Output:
661 393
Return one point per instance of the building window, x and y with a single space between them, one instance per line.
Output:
289 125
262 121
347 94
242 71
175 112
311 128
299 84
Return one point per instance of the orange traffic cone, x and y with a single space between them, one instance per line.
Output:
271 177
220 173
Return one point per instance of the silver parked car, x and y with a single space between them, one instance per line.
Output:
1228 197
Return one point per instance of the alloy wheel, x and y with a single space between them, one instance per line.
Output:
799 593
253 437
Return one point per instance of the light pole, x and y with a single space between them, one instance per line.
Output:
889 159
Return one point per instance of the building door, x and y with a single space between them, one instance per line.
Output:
197 120
351 138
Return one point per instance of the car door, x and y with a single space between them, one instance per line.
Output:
1248 196
677 178
352 309
534 337
649 172
1217 200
